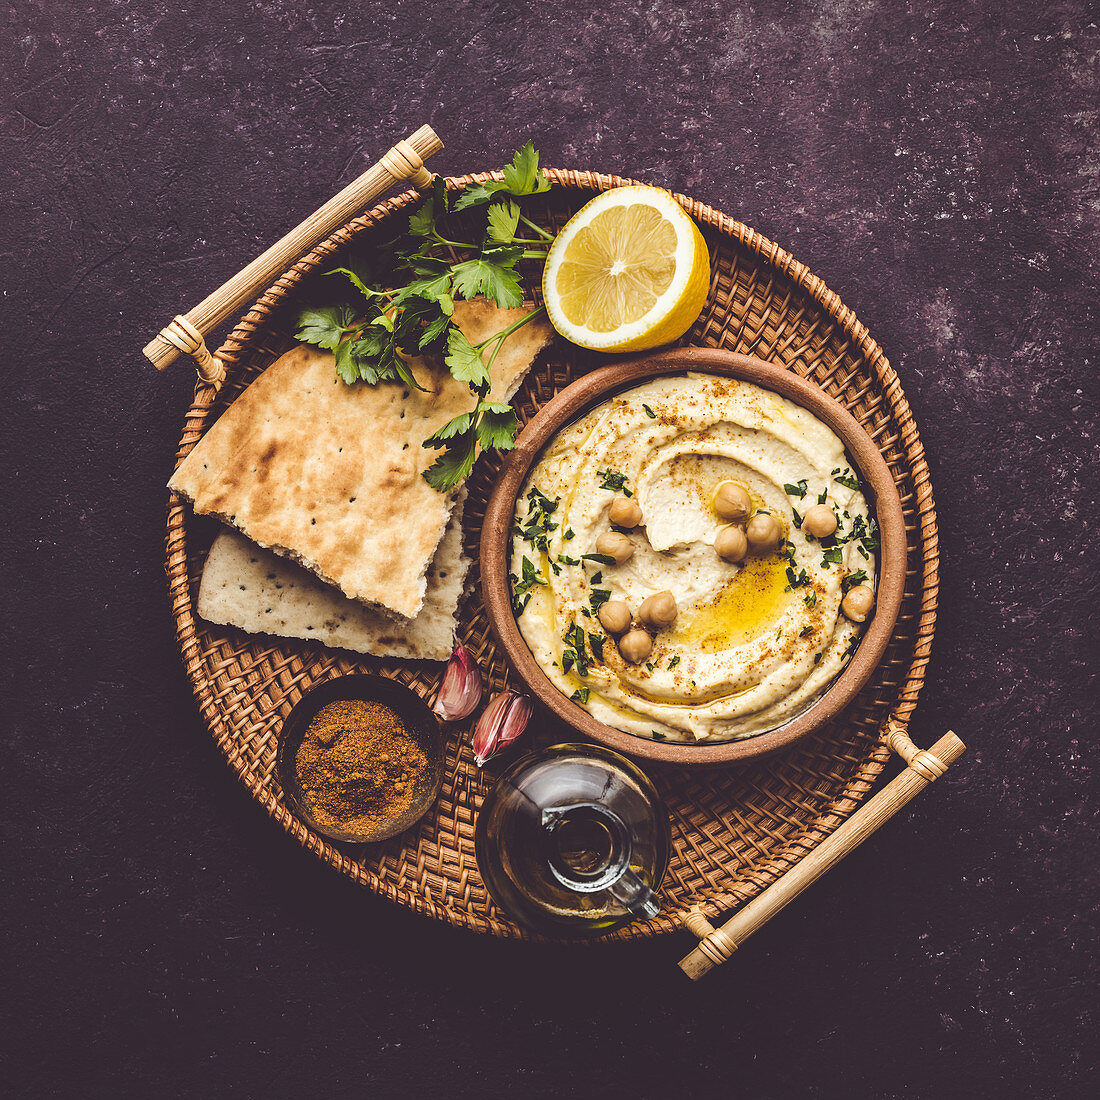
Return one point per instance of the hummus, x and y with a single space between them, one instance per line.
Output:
755 642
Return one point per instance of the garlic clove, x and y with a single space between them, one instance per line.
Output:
461 689
502 721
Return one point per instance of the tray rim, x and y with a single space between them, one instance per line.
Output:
830 816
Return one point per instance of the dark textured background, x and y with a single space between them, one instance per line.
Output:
935 163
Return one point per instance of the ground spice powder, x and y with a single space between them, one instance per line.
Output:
359 766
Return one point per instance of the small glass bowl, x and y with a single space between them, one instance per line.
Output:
414 712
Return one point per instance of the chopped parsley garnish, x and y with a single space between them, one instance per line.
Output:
603 559
674 661
832 556
581 695
565 559
537 526
522 585
658 736
853 579
649 412
806 631
810 600
823 496
615 481
778 635
846 479
569 534
853 641
599 597
650 665
574 654
797 517
798 490
796 580
596 641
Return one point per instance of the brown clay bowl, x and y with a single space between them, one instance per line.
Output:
589 391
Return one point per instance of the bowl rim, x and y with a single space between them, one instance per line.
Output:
590 389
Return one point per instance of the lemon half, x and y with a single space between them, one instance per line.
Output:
629 271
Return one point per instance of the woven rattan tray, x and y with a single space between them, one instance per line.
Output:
735 830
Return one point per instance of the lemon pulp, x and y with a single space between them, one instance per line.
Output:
616 267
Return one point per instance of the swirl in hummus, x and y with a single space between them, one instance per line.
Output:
755 641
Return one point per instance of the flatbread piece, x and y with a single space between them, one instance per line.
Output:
253 589
330 474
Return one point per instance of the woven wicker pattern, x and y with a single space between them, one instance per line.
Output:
734 830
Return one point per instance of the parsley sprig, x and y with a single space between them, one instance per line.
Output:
405 291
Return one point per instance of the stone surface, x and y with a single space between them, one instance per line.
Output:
935 163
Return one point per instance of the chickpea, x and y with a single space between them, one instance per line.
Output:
625 512
614 616
763 533
615 546
635 646
731 544
819 521
659 610
732 502
858 603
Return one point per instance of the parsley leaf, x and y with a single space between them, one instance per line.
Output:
496 427
798 490
500 283
477 195
649 412
581 694
522 176
490 425
464 360
454 464
358 279
503 221
422 221
325 326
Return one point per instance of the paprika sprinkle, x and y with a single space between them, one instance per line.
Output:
359 766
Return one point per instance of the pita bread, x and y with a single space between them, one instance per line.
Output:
253 589
330 475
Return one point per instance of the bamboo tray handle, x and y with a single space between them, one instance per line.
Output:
186 333
717 944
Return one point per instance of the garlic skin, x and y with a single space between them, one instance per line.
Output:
461 689
502 721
